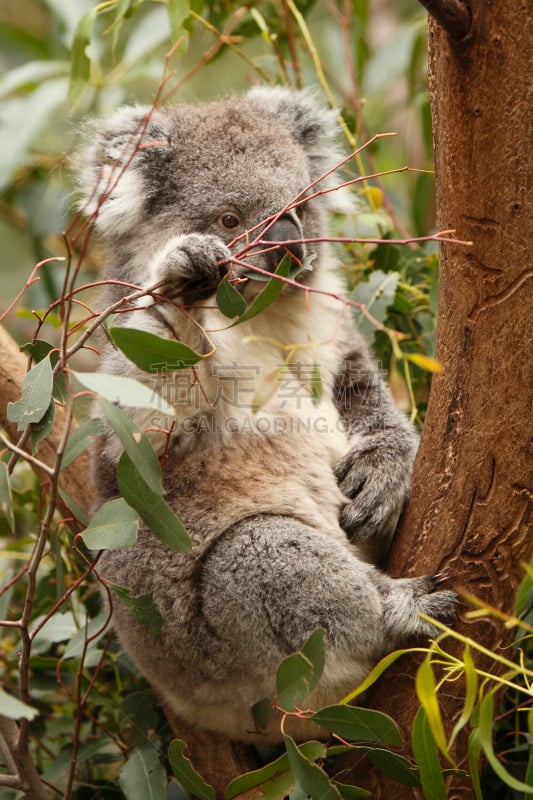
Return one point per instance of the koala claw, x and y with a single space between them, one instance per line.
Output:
438 579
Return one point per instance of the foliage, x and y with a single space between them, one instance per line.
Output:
95 727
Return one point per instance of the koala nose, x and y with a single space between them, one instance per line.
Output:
283 230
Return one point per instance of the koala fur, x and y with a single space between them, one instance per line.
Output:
284 504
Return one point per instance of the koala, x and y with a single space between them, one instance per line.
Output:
290 499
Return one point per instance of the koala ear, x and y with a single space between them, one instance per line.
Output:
314 127
110 167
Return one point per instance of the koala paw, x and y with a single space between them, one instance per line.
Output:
405 599
435 602
377 481
190 265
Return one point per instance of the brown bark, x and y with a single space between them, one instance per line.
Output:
470 515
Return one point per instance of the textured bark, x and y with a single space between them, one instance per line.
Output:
470 514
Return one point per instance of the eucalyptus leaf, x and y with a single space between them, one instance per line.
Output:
142 608
153 353
186 774
93 631
12 708
359 724
113 527
486 739
393 765
123 391
427 757
299 673
80 63
268 294
309 777
79 440
350 792
137 446
229 300
36 396
275 779
377 294
178 12
151 507
41 429
427 694
143 775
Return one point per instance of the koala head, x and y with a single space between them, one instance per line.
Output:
221 168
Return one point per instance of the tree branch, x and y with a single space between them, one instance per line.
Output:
18 759
455 16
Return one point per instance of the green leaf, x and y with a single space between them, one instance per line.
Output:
114 526
80 63
393 765
40 430
178 12
151 507
275 779
137 445
474 752
229 300
268 294
350 792
299 673
143 775
28 75
308 776
60 627
142 607
372 677
36 396
6 498
153 353
427 758
486 725
138 716
471 681
186 774
377 294
262 712
360 724
38 350
79 440
124 391
14 709
427 694
93 630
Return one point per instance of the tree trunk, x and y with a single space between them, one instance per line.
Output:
470 515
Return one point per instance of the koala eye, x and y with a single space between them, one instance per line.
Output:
299 211
229 220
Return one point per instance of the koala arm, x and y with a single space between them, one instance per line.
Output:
376 471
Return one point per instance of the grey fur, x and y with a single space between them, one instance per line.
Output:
261 494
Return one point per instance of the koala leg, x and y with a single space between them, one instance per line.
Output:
270 581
